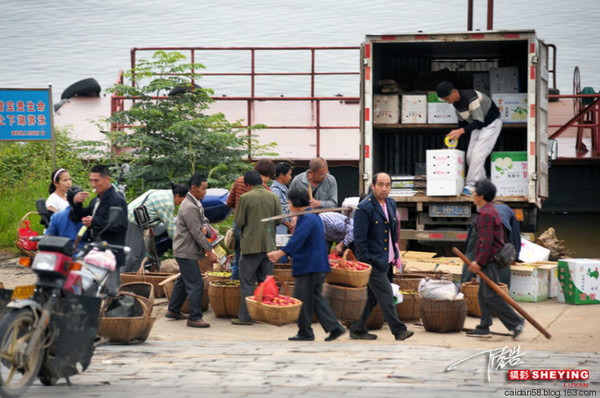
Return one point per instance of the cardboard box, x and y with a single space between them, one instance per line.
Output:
580 280
445 172
414 109
481 82
509 173
512 107
386 109
530 252
504 80
528 282
438 111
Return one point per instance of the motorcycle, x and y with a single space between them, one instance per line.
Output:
48 330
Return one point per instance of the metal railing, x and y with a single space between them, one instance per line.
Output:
118 102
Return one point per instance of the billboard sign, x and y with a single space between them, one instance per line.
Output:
25 114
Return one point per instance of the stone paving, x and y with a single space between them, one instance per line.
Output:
314 369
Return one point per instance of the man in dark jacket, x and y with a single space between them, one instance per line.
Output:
375 237
489 242
95 216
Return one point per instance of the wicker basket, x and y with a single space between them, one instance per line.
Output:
283 272
214 277
375 320
127 329
144 290
470 290
409 281
346 302
151 277
225 298
408 309
169 284
345 276
443 315
274 314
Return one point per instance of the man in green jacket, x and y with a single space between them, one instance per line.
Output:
257 238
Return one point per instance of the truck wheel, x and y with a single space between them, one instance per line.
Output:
16 371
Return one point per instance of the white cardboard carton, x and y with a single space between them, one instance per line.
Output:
386 109
580 280
528 283
414 109
438 111
512 107
481 82
510 173
445 172
531 253
504 80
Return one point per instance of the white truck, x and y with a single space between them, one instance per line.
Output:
400 65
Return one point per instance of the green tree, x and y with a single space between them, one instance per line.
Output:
170 137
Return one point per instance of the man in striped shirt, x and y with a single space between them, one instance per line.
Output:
160 204
479 116
339 229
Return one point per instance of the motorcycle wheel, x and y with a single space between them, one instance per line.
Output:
17 373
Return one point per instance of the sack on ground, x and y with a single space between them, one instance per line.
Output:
438 289
270 291
506 256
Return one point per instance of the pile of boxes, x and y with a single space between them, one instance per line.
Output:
445 172
509 173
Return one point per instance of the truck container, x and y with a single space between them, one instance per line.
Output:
396 133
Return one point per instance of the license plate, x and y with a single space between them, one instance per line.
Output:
449 210
23 292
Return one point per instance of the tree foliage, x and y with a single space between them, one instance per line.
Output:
170 137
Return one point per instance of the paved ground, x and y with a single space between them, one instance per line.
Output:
315 369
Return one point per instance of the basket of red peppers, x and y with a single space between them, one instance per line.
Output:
347 271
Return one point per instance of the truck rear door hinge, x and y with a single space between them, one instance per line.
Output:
534 59
534 176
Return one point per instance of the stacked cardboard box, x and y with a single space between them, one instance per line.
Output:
512 107
414 109
438 111
445 172
509 173
504 80
580 280
529 281
386 109
403 186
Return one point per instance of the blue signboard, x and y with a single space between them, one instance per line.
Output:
25 114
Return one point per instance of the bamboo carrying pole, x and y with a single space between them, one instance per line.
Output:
503 294
299 213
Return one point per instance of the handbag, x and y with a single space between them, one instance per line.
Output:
141 215
25 232
506 256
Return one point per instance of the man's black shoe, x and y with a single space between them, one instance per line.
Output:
479 332
299 337
517 331
405 334
335 333
362 336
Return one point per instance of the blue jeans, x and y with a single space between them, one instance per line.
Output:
189 284
235 267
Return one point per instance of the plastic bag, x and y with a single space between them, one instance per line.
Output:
270 289
25 232
438 289
398 297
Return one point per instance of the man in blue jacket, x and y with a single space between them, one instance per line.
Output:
375 236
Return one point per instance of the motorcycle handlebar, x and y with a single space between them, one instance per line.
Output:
106 245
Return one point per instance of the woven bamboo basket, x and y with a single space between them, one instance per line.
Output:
443 315
216 277
274 314
470 290
345 276
283 271
151 277
169 284
409 281
144 290
28 253
225 298
375 320
127 329
408 309
346 302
